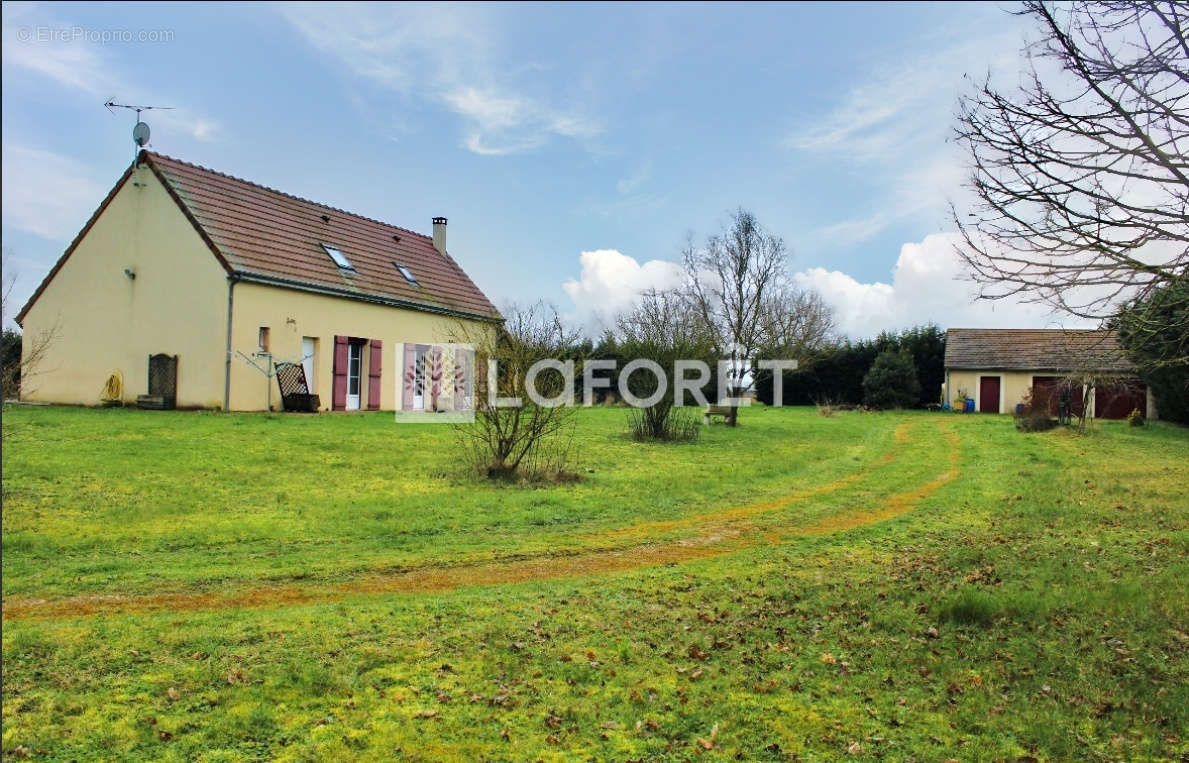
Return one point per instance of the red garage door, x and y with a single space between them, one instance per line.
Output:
1049 388
1118 400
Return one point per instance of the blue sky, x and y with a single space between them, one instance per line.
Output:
572 147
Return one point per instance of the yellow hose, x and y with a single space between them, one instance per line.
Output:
113 388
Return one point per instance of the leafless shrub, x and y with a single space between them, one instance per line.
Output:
526 441
23 356
663 329
1034 415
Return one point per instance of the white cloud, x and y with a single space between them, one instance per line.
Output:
927 286
442 54
47 194
894 127
610 283
83 66
476 144
638 178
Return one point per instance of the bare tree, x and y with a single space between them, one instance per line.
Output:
662 329
23 355
797 324
1080 174
733 284
509 440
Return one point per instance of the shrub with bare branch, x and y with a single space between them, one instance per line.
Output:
527 440
23 356
662 329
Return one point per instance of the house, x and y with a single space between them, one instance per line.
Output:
999 368
231 277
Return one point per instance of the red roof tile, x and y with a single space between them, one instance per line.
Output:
264 234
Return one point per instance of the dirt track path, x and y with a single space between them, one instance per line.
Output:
721 532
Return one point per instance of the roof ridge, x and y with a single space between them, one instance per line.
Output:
1064 331
270 189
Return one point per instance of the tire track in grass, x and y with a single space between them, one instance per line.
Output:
724 532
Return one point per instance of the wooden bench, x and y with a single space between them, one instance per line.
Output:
722 411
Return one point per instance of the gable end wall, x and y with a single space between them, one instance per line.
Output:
104 321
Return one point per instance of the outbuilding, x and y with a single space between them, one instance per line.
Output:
999 368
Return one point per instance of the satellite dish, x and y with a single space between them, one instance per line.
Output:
140 133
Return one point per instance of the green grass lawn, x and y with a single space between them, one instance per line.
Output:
222 587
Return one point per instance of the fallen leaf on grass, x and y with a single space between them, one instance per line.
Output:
172 693
426 714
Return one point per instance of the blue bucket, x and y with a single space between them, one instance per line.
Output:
969 405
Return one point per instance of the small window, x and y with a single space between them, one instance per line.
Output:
408 274
339 258
263 337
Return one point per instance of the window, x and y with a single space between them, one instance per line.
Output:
339 258
408 274
263 338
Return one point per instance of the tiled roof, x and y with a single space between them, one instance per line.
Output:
270 236
1035 350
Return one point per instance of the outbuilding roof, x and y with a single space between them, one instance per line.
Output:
1035 350
263 235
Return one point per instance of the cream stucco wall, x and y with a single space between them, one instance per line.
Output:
291 315
1013 386
105 321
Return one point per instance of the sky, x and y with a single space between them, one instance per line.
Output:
574 148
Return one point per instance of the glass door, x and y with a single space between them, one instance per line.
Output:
354 365
419 380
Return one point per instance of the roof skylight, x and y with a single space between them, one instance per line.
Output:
408 274
339 258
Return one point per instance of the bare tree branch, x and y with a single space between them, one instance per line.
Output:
1080 175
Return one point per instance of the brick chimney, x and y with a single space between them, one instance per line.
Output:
439 234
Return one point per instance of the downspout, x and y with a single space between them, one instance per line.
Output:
231 281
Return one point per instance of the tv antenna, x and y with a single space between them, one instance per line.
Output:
140 131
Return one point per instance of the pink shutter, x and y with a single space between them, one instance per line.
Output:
373 374
339 396
407 374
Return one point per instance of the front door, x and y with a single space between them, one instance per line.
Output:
988 394
419 379
307 361
354 365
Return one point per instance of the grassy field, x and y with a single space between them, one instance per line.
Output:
220 587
